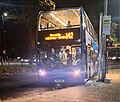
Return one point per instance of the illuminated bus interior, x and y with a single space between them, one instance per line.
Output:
61 57
59 19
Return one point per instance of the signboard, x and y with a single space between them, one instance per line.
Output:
106 25
88 38
95 46
59 34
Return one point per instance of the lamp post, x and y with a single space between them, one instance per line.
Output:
3 15
3 51
3 47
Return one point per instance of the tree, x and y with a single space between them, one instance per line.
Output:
113 36
47 4
29 18
26 14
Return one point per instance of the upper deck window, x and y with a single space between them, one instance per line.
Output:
59 19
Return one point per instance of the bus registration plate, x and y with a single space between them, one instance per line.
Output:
59 80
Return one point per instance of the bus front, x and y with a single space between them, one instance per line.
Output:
59 47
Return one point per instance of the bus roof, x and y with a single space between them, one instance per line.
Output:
59 9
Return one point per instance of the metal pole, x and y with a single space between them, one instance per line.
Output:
105 7
3 32
105 14
36 41
100 45
2 40
104 53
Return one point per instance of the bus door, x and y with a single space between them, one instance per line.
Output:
76 55
88 70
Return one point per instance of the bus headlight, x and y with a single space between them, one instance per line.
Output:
42 72
77 72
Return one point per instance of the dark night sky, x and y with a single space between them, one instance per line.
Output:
93 7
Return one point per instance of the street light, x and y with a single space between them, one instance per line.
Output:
5 14
3 51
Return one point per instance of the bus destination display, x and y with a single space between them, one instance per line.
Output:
63 34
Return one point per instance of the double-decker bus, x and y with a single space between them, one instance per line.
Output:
67 46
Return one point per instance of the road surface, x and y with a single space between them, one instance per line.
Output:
90 92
